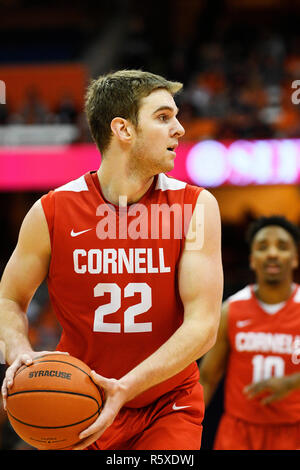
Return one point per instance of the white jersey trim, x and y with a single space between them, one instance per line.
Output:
164 183
244 294
76 186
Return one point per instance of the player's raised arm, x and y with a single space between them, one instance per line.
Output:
24 272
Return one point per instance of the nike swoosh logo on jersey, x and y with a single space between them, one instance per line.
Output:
174 407
242 323
76 234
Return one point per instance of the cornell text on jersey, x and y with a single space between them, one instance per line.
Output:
117 261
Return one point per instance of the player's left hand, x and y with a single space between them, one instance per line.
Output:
115 397
278 388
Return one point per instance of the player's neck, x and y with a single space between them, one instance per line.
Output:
118 181
274 293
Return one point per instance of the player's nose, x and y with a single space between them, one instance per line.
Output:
179 130
272 252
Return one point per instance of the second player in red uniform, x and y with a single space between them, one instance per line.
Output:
258 348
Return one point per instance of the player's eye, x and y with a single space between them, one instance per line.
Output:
163 117
262 246
283 246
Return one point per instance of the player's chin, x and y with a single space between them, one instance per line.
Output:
273 280
168 166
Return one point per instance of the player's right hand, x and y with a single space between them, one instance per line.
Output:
24 358
115 397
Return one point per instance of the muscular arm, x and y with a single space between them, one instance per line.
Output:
213 365
200 287
200 279
24 272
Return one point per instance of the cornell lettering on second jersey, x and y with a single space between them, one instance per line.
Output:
262 346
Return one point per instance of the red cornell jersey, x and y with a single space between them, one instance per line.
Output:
262 345
113 273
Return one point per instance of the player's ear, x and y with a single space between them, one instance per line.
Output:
122 129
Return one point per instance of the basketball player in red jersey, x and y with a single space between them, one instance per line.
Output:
258 348
136 290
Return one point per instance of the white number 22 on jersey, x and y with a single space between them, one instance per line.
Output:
115 303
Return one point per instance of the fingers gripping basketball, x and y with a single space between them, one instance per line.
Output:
52 400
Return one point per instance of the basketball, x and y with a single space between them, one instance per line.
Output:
52 401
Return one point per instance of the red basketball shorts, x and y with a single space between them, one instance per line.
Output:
174 422
237 434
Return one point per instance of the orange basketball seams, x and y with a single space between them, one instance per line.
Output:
52 401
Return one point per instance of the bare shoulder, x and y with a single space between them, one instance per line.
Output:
34 233
36 213
210 204
200 267
204 231
207 197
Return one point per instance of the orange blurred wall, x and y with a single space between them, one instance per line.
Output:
235 201
51 82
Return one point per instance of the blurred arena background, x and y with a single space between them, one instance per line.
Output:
239 61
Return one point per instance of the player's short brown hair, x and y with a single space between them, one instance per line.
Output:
118 94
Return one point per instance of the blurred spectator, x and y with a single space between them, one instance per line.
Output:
237 68
66 111
237 82
33 111
136 47
4 114
196 128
